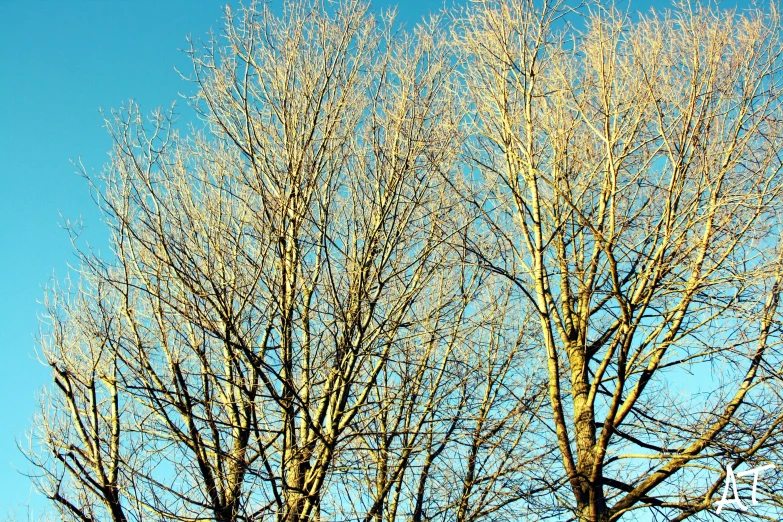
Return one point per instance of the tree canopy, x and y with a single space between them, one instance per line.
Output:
519 262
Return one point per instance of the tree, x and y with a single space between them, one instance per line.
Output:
522 262
288 328
630 175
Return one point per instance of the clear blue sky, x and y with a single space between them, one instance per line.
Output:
60 61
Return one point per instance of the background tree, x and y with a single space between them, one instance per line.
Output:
630 175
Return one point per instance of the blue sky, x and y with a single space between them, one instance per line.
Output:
60 61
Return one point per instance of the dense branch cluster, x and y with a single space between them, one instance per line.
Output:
522 262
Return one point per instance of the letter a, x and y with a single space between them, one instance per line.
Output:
722 502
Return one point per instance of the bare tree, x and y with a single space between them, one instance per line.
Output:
288 305
523 266
84 417
630 174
